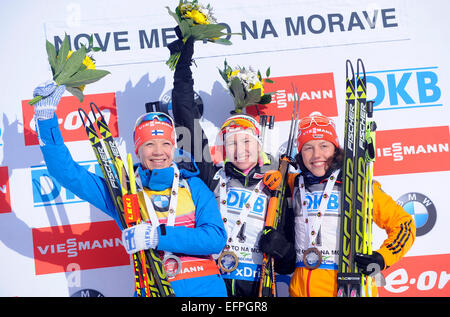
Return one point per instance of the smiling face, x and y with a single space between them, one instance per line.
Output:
242 150
156 154
317 156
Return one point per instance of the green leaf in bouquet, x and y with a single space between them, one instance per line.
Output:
82 67
91 41
222 41
86 77
185 29
223 75
76 92
62 56
71 66
267 98
253 97
237 89
268 72
189 22
174 15
178 12
267 80
226 71
51 53
225 65
202 31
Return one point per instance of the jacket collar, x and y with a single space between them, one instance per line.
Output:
311 179
254 175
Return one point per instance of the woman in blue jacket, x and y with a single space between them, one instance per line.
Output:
190 227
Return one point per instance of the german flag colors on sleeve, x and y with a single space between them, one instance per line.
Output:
398 224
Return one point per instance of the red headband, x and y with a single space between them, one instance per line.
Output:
155 129
316 127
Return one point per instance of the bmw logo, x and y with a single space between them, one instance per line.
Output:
160 202
422 209
87 293
165 102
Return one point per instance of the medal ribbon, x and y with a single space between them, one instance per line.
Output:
223 182
313 229
172 212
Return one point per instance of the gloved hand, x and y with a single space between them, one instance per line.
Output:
186 49
370 264
140 237
51 93
273 243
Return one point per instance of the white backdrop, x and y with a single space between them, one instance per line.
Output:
54 244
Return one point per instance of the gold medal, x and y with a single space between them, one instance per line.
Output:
312 258
228 261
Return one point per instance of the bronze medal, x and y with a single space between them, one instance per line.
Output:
172 265
228 261
312 258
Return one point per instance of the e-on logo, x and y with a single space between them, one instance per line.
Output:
422 209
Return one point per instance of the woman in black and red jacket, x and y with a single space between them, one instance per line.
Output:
237 183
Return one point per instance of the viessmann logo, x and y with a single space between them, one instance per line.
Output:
70 123
316 92
415 150
89 245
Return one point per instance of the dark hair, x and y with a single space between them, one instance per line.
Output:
335 161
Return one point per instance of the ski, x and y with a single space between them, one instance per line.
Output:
159 278
150 275
113 188
368 201
276 182
356 185
133 217
357 234
347 178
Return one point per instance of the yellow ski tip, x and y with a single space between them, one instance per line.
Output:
131 174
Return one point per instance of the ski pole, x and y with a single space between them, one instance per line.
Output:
276 181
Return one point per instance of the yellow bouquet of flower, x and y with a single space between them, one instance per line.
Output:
246 86
197 21
73 69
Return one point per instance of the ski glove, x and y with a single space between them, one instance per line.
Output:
140 237
273 243
185 48
370 263
51 93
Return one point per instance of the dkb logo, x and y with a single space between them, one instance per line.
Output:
238 198
48 191
404 88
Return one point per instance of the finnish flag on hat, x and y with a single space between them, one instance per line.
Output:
157 132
